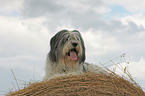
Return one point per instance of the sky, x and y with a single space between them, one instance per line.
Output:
109 28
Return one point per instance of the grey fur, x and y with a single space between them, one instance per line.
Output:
57 43
60 63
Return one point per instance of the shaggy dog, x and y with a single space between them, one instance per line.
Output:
67 55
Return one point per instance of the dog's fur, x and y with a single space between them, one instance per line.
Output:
67 55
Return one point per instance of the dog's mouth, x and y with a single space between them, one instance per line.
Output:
73 54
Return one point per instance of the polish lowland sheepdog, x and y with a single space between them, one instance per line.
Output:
67 56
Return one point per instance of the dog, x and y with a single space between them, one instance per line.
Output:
67 56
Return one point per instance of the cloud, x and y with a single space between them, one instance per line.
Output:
17 35
9 8
139 19
37 8
66 15
25 38
133 5
99 43
136 69
23 43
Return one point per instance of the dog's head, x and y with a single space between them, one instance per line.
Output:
67 47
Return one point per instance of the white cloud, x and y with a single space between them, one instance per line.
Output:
99 43
24 41
134 6
7 5
139 19
23 44
10 8
136 69
21 35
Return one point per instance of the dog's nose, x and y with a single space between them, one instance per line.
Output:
74 44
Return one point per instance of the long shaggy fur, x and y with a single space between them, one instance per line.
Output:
67 55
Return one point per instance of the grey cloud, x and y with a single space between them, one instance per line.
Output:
36 8
62 11
67 12
60 14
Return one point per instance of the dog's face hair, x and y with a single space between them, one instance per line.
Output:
67 46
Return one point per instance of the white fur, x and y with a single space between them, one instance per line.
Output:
55 70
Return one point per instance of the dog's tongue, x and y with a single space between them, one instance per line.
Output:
73 55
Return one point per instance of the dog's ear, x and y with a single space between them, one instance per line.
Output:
55 47
83 57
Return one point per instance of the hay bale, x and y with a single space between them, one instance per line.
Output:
80 85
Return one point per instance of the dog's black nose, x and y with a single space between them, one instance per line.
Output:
74 44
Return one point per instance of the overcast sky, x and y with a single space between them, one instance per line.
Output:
109 29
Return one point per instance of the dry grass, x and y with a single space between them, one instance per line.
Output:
88 83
